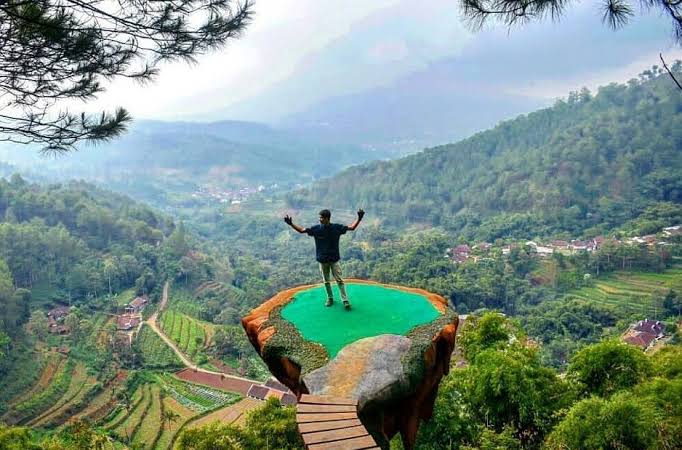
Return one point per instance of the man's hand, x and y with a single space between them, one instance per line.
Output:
288 220
361 213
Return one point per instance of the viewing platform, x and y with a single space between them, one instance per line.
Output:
385 356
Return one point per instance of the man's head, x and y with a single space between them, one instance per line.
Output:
325 216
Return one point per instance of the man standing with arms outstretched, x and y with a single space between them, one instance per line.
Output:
326 236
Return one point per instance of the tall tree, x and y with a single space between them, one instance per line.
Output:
56 50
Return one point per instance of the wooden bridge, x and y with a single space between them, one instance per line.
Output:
331 423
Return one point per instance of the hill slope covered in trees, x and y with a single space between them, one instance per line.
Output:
585 165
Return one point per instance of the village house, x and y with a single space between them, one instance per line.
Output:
137 305
460 253
579 246
644 333
55 320
673 231
126 322
272 388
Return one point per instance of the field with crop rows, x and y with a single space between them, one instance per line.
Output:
81 387
188 333
42 399
632 292
170 429
195 397
156 354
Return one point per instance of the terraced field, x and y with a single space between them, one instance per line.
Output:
149 426
104 402
233 414
191 335
80 388
170 429
156 354
632 292
40 400
127 428
51 365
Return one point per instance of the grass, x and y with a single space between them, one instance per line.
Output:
632 292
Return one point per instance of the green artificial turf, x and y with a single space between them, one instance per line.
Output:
376 310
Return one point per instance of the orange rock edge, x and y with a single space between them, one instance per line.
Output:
405 415
254 320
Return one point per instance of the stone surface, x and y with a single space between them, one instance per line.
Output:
394 378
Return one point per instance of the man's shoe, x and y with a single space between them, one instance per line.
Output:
330 302
346 305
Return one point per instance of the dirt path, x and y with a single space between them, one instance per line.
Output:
152 322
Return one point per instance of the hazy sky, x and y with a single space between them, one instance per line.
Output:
300 52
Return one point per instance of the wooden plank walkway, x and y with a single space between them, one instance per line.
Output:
331 423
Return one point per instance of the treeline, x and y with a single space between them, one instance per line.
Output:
611 396
584 166
75 244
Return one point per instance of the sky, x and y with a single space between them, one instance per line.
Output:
298 54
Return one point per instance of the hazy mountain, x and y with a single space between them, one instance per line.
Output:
592 161
155 159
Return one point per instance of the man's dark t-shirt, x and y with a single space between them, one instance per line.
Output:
327 241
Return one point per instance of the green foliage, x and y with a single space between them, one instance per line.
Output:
622 422
490 331
667 362
15 438
608 367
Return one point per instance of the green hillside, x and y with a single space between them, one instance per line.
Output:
590 162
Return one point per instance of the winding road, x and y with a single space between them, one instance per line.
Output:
153 324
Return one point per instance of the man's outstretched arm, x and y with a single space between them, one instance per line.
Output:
289 221
354 225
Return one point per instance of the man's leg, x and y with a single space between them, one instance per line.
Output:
336 271
325 268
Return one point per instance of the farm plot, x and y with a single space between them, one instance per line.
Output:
43 399
170 429
80 387
51 365
121 412
188 333
127 429
233 414
104 402
632 292
195 397
155 353
150 423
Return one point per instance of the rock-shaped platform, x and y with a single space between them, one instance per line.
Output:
388 353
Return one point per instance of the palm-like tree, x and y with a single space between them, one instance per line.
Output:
169 416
